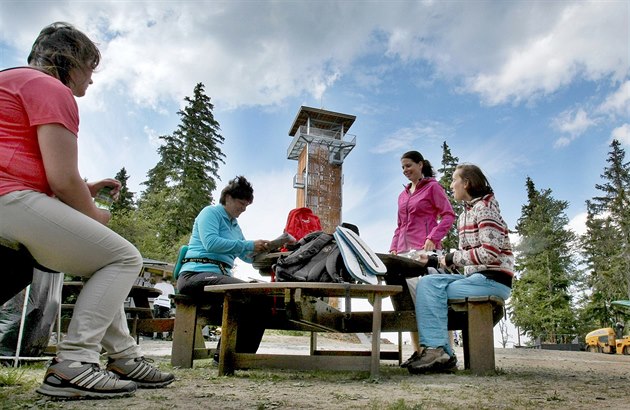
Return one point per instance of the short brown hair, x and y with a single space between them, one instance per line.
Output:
238 188
59 48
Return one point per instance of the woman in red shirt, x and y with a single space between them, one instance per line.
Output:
47 206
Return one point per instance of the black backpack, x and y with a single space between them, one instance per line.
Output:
316 259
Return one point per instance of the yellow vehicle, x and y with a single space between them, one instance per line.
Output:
607 340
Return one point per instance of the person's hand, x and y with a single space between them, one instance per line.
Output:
103 216
442 262
429 246
94 187
423 258
260 245
393 252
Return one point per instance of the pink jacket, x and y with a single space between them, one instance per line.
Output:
418 216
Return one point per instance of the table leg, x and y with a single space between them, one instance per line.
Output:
376 336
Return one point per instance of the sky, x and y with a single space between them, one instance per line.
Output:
521 88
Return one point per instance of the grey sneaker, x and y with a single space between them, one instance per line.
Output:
141 371
430 359
76 380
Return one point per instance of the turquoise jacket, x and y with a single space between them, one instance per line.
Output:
216 236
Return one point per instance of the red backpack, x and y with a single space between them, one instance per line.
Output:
302 221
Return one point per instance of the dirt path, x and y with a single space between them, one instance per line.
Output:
525 379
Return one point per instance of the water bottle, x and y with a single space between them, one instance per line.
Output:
103 198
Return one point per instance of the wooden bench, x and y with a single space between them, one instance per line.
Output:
307 311
474 316
141 318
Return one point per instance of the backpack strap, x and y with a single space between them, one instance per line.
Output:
179 263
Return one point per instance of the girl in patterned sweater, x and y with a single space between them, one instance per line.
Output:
485 257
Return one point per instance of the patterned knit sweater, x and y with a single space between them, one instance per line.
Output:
484 244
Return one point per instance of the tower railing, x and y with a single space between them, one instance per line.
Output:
338 145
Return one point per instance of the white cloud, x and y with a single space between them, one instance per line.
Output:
260 53
549 57
622 134
578 223
274 197
152 136
573 124
618 103
403 138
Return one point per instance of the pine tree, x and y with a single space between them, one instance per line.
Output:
125 199
449 163
541 301
606 243
182 182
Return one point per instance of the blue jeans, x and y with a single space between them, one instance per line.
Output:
432 295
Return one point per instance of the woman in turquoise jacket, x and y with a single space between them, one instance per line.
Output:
215 242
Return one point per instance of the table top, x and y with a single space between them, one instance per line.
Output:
307 288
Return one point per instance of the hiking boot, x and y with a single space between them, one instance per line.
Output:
77 380
413 357
447 367
140 371
429 359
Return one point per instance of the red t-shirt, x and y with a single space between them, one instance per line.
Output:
29 98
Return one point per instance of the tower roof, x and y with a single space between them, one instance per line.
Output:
323 119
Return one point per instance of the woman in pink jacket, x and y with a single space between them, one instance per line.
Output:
425 216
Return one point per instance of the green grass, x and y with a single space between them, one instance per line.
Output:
18 384
10 376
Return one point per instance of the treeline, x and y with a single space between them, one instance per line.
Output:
564 282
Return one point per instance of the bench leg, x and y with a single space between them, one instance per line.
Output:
313 348
480 342
184 334
229 326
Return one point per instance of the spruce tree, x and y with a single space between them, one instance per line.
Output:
541 303
449 163
182 182
125 199
606 243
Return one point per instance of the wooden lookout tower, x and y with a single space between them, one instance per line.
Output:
320 144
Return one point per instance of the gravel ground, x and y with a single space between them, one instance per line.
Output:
525 379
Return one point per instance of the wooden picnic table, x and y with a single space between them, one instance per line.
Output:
301 296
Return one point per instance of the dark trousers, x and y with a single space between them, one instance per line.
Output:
252 316
161 312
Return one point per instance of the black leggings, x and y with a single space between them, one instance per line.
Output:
252 321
